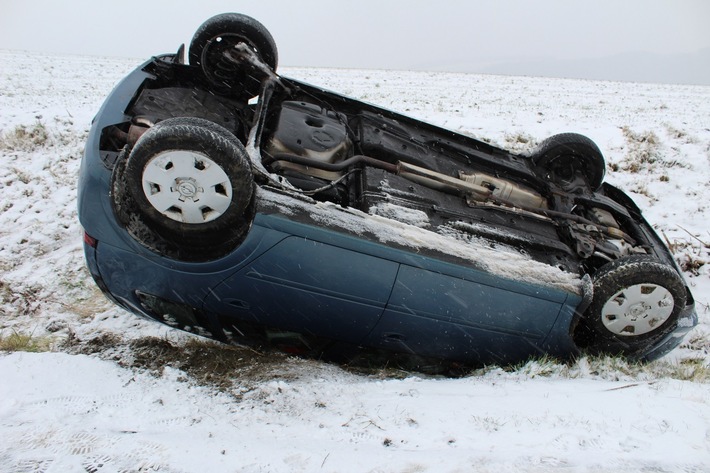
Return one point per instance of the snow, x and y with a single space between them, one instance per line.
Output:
498 259
388 210
97 415
63 411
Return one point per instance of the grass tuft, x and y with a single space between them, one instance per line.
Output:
25 138
612 368
24 342
645 152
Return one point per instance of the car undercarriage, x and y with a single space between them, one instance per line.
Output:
357 155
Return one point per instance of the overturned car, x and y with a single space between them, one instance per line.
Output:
224 199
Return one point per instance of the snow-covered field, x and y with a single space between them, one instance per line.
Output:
107 392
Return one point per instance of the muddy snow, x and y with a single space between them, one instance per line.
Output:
103 391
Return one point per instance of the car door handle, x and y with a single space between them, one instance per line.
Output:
392 337
238 303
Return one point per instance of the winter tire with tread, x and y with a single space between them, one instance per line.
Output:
189 182
568 157
222 32
636 299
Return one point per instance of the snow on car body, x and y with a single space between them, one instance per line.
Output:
330 226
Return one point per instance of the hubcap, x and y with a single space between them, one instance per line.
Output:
187 186
637 309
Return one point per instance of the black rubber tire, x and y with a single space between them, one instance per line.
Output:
619 275
218 235
568 157
203 123
218 34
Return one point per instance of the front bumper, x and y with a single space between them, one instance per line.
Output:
686 321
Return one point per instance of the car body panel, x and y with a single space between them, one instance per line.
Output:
435 314
308 286
291 276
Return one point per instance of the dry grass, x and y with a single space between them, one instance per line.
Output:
691 253
519 142
614 368
204 361
238 370
90 303
24 342
25 138
19 302
645 153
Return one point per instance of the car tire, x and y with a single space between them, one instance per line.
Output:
636 301
189 182
202 123
217 35
571 161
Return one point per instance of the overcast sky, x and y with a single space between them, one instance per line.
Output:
514 36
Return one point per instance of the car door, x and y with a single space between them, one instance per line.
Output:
309 287
465 316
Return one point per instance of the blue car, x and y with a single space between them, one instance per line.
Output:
221 198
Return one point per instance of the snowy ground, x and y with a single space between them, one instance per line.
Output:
108 392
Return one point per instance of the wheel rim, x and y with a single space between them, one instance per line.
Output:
637 310
187 186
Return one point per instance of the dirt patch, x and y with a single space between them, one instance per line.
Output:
206 362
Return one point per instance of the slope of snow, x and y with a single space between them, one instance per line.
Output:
89 415
65 412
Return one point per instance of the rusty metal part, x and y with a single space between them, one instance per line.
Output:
241 54
457 186
507 190
339 166
135 132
